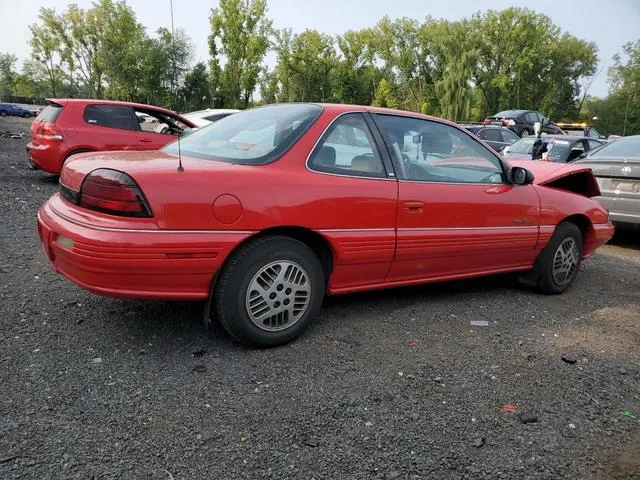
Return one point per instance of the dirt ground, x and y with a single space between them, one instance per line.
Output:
395 384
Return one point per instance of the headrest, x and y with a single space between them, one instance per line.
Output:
366 163
326 157
434 141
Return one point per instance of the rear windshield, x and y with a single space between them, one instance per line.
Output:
49 114
627 147
253 137
508 113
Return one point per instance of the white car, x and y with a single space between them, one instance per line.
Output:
202 118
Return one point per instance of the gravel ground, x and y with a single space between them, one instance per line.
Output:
395 384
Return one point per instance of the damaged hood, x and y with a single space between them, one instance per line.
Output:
573 178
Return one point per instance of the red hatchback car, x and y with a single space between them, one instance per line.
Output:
267 210
67 127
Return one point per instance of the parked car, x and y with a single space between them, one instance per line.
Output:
202 118
617 169
562 148
14 110
522 122
264 225
70 126
496 137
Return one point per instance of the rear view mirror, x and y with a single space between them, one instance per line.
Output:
521 176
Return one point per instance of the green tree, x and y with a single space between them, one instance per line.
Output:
240 33
7 73
195 93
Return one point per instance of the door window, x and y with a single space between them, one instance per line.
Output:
593 144
490 134
509 137
532 117
112 116
431 151
348 148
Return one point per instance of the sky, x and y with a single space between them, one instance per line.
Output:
608 23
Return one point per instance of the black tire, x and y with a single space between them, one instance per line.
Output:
231 293
3 113
547 282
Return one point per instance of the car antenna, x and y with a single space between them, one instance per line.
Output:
173 58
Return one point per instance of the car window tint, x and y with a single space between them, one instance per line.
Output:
252 137
49 114
509 137
436 152
112 116
532 117
490 134
216 117
347 148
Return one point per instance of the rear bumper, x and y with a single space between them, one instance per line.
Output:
130 263
44 157
621 209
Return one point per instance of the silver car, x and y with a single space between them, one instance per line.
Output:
616 166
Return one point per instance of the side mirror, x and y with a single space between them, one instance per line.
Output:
521 176
582 155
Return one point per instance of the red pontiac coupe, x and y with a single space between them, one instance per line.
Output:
266 211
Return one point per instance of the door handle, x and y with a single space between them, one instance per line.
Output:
413 207
145 140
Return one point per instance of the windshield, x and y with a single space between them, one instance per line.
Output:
559 151
255 136
623 147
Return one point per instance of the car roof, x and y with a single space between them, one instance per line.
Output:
339 108
91 101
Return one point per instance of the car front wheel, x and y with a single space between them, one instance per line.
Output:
559 262
269 291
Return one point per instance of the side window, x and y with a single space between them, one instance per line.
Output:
509 137
576 151
490 134
438 152
347 148
112 116
593 144
532 117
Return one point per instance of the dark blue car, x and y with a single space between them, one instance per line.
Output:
14 110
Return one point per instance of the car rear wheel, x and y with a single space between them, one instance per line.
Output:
559 262
269 291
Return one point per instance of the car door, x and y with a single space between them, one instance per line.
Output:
457 214
108 127
357 193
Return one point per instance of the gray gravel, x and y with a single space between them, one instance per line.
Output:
395 384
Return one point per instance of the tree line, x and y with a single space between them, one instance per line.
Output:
460 70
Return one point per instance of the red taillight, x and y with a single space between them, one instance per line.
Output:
113 192
48 131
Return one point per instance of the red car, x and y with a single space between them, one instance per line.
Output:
266 211
67 127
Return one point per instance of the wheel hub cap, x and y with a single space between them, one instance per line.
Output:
565 261
278 295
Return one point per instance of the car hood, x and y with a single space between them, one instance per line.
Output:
571 177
